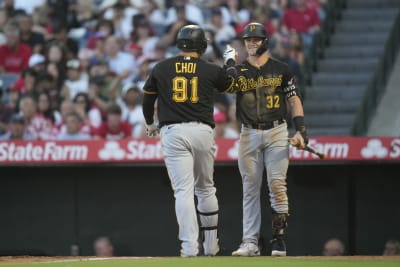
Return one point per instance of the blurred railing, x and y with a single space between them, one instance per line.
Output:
377 84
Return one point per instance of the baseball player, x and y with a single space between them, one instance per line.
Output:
184 86
265 89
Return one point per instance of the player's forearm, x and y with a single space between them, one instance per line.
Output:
148 108
296 107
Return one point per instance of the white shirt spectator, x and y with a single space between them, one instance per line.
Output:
222 35
126 26
242 16
121 62
28 5
78 86
192 12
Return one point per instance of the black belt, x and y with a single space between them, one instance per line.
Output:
264 125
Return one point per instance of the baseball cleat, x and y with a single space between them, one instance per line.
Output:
278 247
247 250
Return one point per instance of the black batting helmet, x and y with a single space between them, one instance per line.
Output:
254 29
191 38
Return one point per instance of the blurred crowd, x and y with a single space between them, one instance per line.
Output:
74 69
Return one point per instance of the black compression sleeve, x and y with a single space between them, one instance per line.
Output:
148 107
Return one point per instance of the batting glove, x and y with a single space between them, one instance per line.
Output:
152 130
229 55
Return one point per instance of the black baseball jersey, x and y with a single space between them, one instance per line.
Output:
262 91
185 90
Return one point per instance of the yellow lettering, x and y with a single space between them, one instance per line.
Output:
185 67
177 67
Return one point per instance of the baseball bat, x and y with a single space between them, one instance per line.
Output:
309 149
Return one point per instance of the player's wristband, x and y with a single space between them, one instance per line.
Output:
299 123
300 127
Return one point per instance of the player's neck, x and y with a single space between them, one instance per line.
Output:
190 54
258 61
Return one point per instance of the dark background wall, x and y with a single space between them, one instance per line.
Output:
44 210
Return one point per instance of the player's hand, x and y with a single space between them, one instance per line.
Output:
299 140
230 55
152 130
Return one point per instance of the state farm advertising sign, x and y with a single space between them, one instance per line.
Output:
150 150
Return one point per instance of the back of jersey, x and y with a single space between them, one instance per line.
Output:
185 88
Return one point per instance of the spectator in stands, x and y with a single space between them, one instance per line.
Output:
76 82
333 247
97 95
303 20
265 18
284 51
104 28
223 32
144 67
84 14
114 127
155 14
234 13
171 30
9 7
45 110
121 13
213 51
14 55
37 126
67 107
191 11
37 62
56 58
121 63
73 124
60 36
34 39
103 247
28 6
143 36
105 81
392 248
90 114
130 103
5 111
221 130
26 82
17 129
45 82
4 18
13 98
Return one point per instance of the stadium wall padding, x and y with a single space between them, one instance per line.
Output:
47 209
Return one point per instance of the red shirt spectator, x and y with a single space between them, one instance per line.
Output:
114 128
301 19
14 55
14 59
122 131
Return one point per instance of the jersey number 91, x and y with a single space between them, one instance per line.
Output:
180 89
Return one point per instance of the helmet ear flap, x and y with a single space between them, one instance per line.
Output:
263 47
203 47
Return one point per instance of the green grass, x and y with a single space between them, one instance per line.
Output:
221 262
